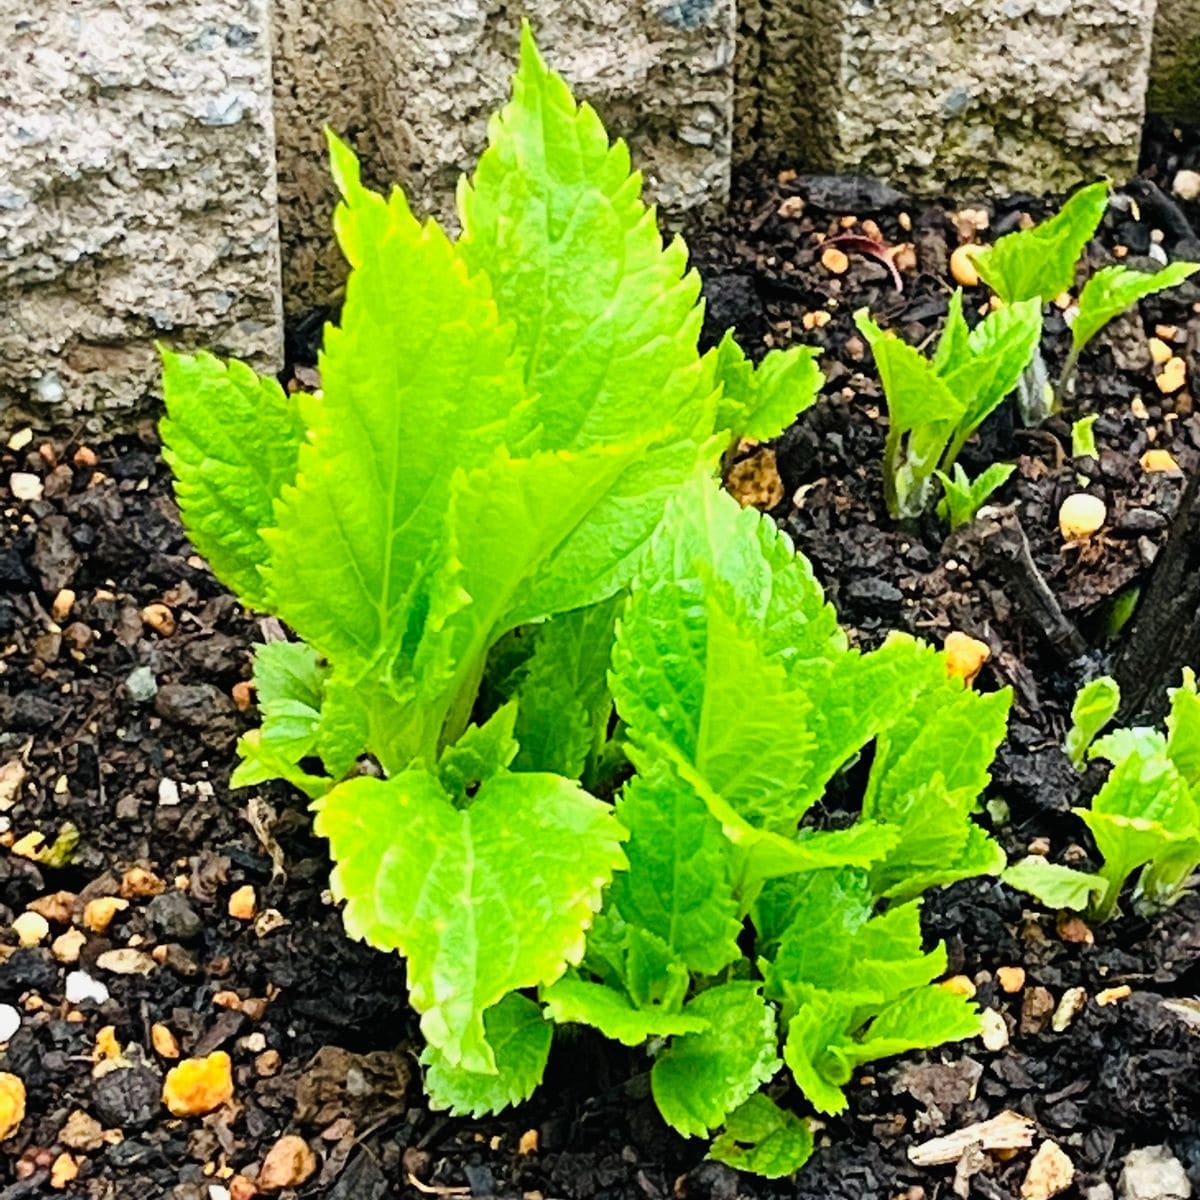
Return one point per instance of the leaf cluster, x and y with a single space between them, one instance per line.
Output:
1145 819
573 723
935 405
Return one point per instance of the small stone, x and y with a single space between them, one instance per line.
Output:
528 1143
85 456
10 1022
56 907
159 618
1074 929
174 918
1168 333
268 921
965 656
1073 999
960 985
962 266
98 914
60 608
993 1030
1050 1172
816 320
165 1043
1172 376
267 1063
791 208
141 685
1186 185
1037 1004
31 929
227 999
199 1085
126 961
126 1098
12 1104
80 987
242 694
1158 460
243 903
1160 352
1081 515
81 1132
107 1048
21 438
754 481
1113 994
138 883
67 946
835 260
12 776
1153 1173
168 793
1011 979
63 1170
29 846
241 1188
287 1165
25 486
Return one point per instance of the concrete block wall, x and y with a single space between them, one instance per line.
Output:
159 159
975 96
137 198
427 74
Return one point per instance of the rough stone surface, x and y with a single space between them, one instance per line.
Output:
1153 1173
137 198
982 96
411 84
1175 66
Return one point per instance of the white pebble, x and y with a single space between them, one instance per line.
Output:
993 1030
25 486
81 986
1187 185
168 793
10 1022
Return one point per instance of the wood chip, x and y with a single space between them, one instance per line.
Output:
1008 1131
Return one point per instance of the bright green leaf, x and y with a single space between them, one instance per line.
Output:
702 1077
580 1002
231 439
1094 706
442 886
482 751
764 1139
520 1040
562 692
1039 263
1112 290
762 401
1055 886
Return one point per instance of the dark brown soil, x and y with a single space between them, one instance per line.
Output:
112 720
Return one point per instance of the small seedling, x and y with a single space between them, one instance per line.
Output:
1041 264
1145 819
963 497
935 405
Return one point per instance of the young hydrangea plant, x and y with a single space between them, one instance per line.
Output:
1145 820
935 405
563 710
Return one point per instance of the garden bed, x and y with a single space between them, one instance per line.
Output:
125 724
